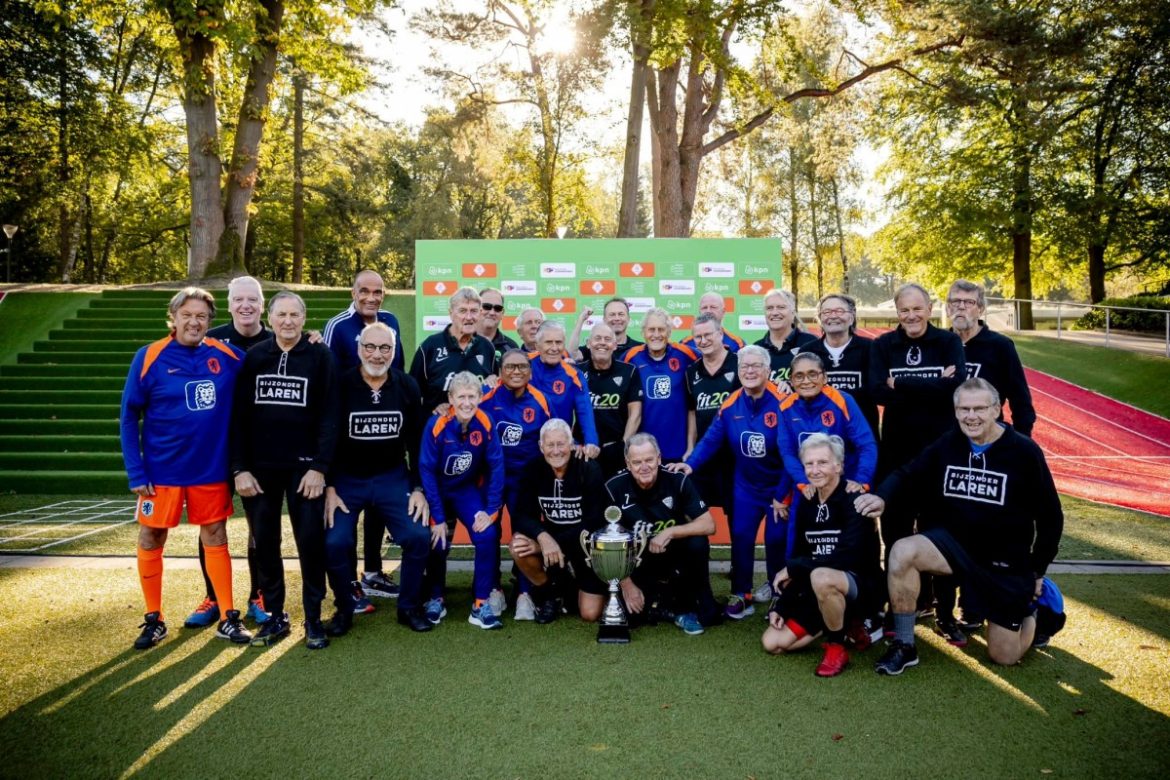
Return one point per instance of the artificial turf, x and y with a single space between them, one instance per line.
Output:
547 701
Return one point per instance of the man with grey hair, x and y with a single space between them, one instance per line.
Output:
712 303
561 384
674 576
785 337
709 383
527 324
995 524
560 497
457 347
615 389
662 364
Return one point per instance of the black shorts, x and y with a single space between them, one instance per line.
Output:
797 601
1004 597
570 544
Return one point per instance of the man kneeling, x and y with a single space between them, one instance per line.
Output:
997 527
834 567
560 496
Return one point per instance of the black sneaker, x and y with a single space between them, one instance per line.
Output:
154 631
340 623
547 611
315 638
897 659
272 630
1041 640
950 631
415 619
232 629
970 622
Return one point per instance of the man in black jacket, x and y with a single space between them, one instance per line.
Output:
284 424
996 526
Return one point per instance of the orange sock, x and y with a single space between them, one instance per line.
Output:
479 603
150 569
219 571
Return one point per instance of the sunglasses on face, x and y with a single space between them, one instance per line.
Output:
497 307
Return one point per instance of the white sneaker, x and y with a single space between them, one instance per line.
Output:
762 594
498 602
525 609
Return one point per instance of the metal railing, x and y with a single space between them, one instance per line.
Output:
1058 310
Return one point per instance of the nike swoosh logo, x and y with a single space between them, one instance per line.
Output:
172 370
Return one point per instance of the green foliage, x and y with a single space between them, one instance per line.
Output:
1123 319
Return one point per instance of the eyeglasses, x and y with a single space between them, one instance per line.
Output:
385 349
516 367
962 303
834 312
807 376
753 366
979 410
497 307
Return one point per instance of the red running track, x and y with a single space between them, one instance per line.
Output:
1101 449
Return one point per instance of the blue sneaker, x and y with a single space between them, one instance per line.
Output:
435 611
689 623
485 617
256 612
206 614
361 604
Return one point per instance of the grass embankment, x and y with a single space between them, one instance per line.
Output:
1136 379
26 317
547 701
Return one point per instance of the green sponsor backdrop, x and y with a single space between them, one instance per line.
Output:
562 277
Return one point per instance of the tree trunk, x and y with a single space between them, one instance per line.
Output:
655 152
1096 272
241 179
814 231
668 203
628 211
840 237
1022 209
793 224
204 166
64 174
298 215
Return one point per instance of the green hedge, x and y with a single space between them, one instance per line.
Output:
1146 322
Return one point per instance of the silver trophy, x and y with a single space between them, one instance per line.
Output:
613 554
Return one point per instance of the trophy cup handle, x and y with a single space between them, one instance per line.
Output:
585 547
642 541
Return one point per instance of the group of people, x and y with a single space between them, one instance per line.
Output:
547 432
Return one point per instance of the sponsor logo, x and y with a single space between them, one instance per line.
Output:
642 270
374 426
457 463
519 287
559 509
598 287
439 288
716 287
753 322
605 401
718 270
823 542
756 270
658 387
476 438
914 355
441 270
668 502
752 444
844 380
640 305
558 305
681 321
479 270
213 365
676 287
755 286
921 372
558 270
557 288
435 323
708 401
511 433
598 270
279 390
200 395
988 487
828 418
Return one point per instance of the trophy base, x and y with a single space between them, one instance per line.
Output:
613 635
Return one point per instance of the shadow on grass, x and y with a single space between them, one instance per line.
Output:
547 701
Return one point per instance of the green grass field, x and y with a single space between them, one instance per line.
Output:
547 701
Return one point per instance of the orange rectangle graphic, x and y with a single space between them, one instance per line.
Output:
642 270
479 270
755 286
441 287
598 287
564 305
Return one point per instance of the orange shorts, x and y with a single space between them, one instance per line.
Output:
206 504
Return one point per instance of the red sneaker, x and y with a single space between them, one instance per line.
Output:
835 660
